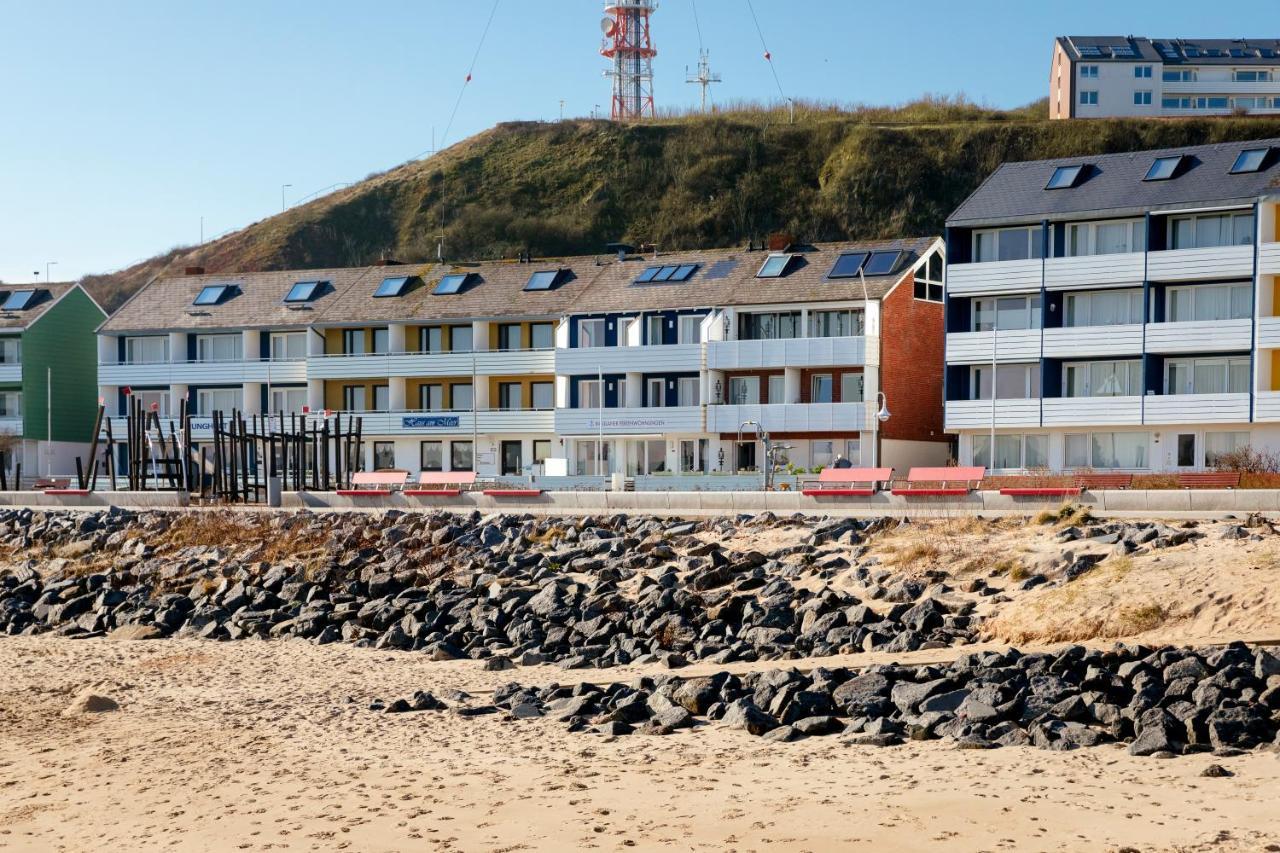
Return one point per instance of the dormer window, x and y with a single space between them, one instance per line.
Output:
1164 168
1065 177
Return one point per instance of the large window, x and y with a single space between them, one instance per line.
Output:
835 324
155 401
460 338
820 388
1218 444
460 396
290 401
225 400
687 391
381 341
11 404
353 398
1185 75
1103 308
431 397
744 390
1012 382
11 350
591 333
1207 302
353 342
461 456
778 389
769 325
542 395
431 339
1256 76
381 398
1102 379
1008 244
509 336
1207 375
1209 230
384 455
288 346
851 387
1012 451
510 396
1107 450
1106 238
1006 313
542 335
431 455
219 347
690 329
589 394
153 349
928 279
656 326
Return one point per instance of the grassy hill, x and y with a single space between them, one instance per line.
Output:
685 181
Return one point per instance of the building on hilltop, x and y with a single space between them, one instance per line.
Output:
642 364
1122 310
1108 76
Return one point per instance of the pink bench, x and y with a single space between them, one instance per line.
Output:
923 482
367 484
442 483
849 482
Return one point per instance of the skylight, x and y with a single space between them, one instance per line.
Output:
1064 177
647 275
1164 168
393 286
303 291
542 280
212 294
774 266
1250 160
848 264
666 273
882 263
452 283
19 300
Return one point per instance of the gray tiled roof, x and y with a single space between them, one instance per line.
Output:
1015 192
1176 51
47 295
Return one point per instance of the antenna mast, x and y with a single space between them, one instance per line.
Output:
627 44
705 76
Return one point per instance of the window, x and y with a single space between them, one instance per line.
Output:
509 337
1102 379
1250 160
1012 382
1119 449
882 263
381 341
590 459
835 324
1218 444
655 393
1089 97
1106 238
381 398
510 396
353 398
212 294
1202 103
1008 244
542 280
1089 72
1263 76
821 453
211 348
1103 308
1142 98
452 283
591 333
431 456
1186 75
1208 302
303 291
394 286
288 346
542 395
769 326
1211 230
542 335
11 350
1142 72
384 455
1207 375
11 404
667 273
158 402
541 450
744 390
1064 177
461 457
1012 451
353 342
851 385
1163 168
848 264
777 389
461 397
290 401
690 329
225 400
687 391
148 350
19 300
1006 313
775 266
589 394
820 388
460 338
431 397
928 280
431 339
656 325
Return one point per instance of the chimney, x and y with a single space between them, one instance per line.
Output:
194 271
780 241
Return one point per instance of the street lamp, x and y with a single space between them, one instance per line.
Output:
283 206
46 270
881 416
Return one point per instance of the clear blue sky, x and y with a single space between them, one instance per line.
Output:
125 122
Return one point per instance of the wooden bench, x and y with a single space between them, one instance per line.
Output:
369 484
67 491
1041 491
47 483
927 482
1104 481
1209 480
442 483
849 482
512 493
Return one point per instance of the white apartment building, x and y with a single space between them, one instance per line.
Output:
1107 76
1118 311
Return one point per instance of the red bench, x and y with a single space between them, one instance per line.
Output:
925 482
1041 491
442 483
66 491
1209 480
1104 481
369 484
849 482
513 493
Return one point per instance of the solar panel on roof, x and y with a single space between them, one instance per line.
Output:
848 264
720 269
1250 160
302 291
882 263
1090 51
542 280
1124 51
664 273
393 286
647 275
211 294
683 272
1163 168
19 300
451 284
774 266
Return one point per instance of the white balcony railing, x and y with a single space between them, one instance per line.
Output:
1094 270
10 426
198 372
1092 411
11 374
787 352
1269 259
673 358
1220 87
1196 408
1090 341
1218 262
980 347
1266 406
790 417
484 363
994 277
1268 332
630 421
401 423
976 414
1199 336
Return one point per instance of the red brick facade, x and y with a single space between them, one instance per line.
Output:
911 365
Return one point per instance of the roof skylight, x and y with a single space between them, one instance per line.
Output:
882 263
303 291
543 280
212 294
452 283
392 286
1250 160
1065 177
666 273
1164 168
775 266
19 300
848 264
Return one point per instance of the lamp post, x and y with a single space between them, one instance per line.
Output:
46 270
283 206
882 414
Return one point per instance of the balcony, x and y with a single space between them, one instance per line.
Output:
1220 87
1269 259
979 347
994 277
419 364
10 374
1218 262
976 414
11 426
1266 406
1092 411
788 352
1196 409
1090 341
1199 336
626 421
790 417
1268 332
402 423
202 372
673 358
1092 270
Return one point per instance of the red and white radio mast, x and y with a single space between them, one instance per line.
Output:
627 44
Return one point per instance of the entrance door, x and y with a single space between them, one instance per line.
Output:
746 456
511 462
1186 450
